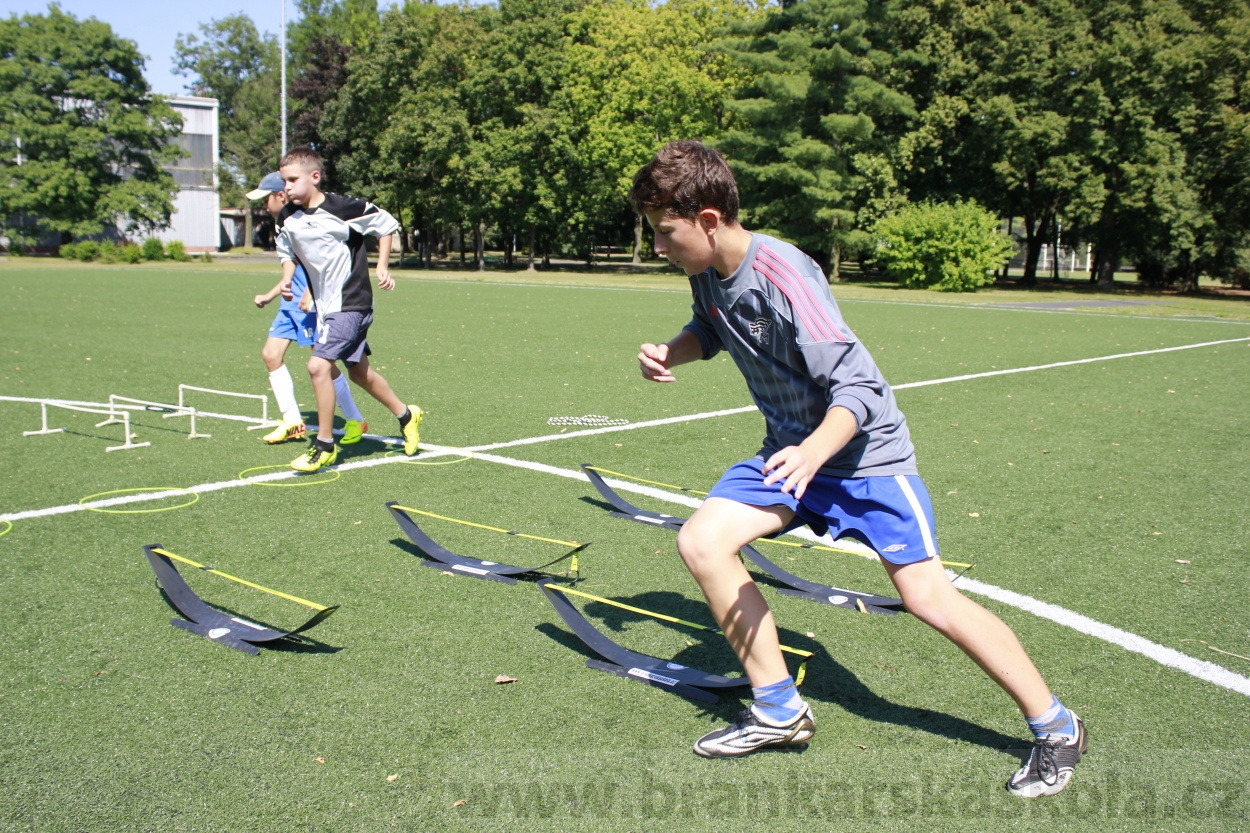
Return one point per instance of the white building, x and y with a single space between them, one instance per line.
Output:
196 220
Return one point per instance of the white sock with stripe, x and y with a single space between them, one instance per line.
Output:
284 394
343 394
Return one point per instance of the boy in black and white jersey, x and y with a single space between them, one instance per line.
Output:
326 233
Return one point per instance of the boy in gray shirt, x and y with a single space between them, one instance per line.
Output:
837 457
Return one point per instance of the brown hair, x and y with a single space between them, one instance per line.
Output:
684 178
305 157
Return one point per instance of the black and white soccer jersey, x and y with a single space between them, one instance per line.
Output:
775 317
330 241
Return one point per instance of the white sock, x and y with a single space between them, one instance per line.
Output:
284 393
343 393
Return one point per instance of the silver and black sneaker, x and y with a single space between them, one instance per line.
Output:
1050 765
749 734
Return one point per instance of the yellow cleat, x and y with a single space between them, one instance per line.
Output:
285 431
353 431
314 458
412 431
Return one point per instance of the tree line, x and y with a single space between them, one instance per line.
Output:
1118 124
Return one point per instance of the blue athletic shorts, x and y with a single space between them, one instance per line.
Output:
341 337
300 327
891 514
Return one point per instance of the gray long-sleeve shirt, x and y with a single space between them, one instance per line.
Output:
778 321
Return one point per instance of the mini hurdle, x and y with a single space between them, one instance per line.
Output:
265 421
177 410
44 404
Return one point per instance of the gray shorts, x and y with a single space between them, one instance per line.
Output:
341 337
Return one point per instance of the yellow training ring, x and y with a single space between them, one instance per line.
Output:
194 498
243 476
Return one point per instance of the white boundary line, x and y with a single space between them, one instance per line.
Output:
1008 371
1208 671
1163 655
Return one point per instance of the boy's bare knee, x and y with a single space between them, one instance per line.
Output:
935 605
358 373
318 368
701 553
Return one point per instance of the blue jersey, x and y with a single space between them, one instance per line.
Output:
775 317
299 284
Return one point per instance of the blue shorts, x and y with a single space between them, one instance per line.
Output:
890 513
300 327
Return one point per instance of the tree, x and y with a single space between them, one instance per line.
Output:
637 78
399 123
81 137
233 63
1179 174
352 23
1009 110
320 43
808 138
314 87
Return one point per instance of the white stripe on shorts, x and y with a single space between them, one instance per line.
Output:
926 534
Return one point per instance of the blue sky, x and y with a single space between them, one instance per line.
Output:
155 25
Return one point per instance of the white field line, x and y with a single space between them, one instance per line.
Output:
906 385
1200 669
203 488
443 450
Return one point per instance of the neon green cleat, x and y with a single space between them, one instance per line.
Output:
285 431
353 431
412 431
314 458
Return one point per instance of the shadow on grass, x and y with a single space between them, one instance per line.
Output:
298 643
827 680
598 504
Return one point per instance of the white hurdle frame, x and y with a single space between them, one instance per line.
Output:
265 421
179 410
111 413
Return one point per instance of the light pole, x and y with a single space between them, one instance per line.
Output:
282 48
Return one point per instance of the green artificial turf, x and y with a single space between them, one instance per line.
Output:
1083 486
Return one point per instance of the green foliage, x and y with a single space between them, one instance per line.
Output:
1009 110
323 74
68 251
353 23
108 252
808 149
1124 121
943 246
231 61
82 138
87 251
530 118
153 249
637 77
130 253
177 251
